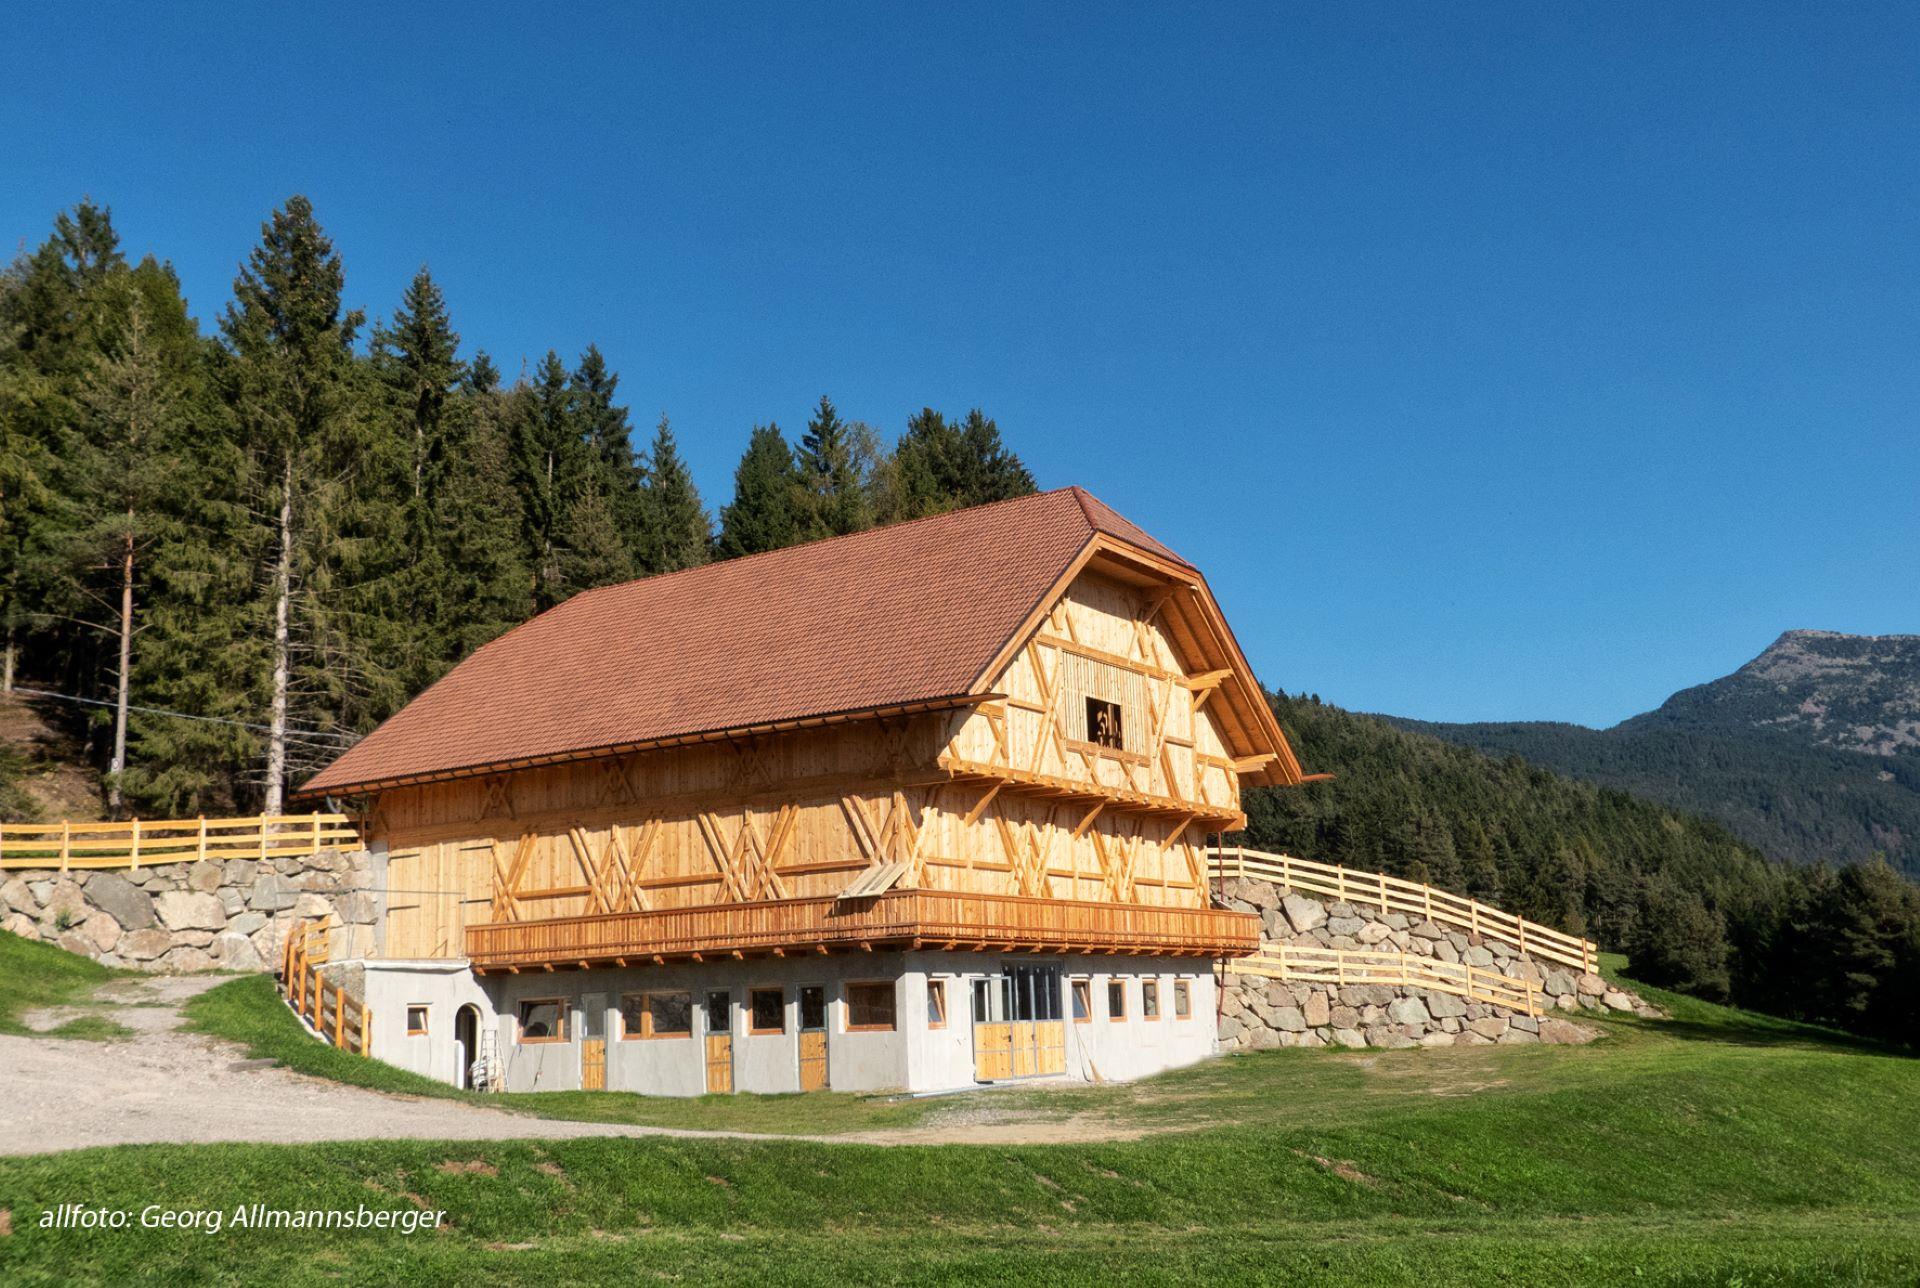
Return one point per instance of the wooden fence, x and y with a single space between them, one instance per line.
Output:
71 845
1340 966
335 1017
1391 894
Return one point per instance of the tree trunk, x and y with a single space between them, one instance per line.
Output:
118 766
282 592
6 682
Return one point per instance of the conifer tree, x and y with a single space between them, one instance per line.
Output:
836 500
676 532
609 448
765 513
415 357
325 472
593 553
550 467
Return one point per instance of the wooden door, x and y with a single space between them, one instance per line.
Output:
719 1042
813 1038
992 1031
1025 1061
593 1042
1050 1046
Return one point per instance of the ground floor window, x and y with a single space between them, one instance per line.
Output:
767 1009
936 1004
813 1007
1150 999
1116 999
1082 1001
870 1007
1182 1000
656 1015
543 1020
719 1012
416 1021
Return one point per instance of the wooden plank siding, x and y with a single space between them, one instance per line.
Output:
1009 798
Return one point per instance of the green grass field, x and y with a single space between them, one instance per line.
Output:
38 975
1715 1147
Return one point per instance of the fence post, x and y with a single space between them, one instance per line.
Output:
263 838
203 836
366 1029
316 834
66 843
340 1017
134 858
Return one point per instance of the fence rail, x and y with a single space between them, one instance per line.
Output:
72 845
1391 894
338 1019
1341 966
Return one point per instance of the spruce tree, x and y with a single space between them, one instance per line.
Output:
593 551
327 475
676 532
550 468
836 497
765 513
609 448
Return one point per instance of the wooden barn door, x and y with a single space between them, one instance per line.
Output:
593 1042
813 1038
992 1030
719 1042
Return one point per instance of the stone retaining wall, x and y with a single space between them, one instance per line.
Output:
1257 1012
194 916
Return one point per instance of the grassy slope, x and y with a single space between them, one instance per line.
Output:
1713 1147
34 975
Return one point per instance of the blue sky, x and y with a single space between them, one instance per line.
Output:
1495 362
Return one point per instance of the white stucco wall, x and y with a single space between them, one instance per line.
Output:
913 1057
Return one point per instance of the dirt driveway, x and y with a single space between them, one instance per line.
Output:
163 1085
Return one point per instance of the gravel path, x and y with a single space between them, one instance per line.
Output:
163 1085
166 1086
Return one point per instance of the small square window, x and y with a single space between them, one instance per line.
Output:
813 1007
543 1020
416 1021
1150 999
1116 999
768 1009
870 1007
1103 724
936 1004
1182 1000
1082 1001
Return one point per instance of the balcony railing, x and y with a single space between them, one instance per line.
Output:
897 919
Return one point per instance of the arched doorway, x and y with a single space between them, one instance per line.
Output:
466 1045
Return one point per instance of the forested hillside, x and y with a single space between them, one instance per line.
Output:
281 531
1810 752
1693 906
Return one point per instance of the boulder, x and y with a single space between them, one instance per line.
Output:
103 930
1444 950
66 901
1426 930
1230 1028
1591 985
232 900
1348 1037
1478 956
1525 1023
1290 1019
204 876
1444 1006
1347 926
1318 1010
1344 1017
236 952
1373 932
311 906
122 900
239 873
1304 913
15 895
1517 1037
1408 1010
75 942
183 960
1616 1001
1558 984
1395 920
18 923
144 945
1437 1040
190 910
1273 924
1489 1027
1280 995
1564 1032
1390 1038
272 893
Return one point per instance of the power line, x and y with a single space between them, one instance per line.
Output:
298 735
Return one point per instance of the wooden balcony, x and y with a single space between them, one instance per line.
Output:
940 919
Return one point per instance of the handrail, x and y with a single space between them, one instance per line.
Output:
68 845
1392 894
1343 966
334 1017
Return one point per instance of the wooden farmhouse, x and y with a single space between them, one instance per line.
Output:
916 808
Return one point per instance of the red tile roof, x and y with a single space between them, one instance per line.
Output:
895 616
